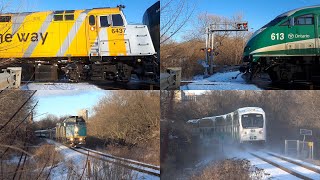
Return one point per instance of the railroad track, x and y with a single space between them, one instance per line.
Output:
128 163
298 169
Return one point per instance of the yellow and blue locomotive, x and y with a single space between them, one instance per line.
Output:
72 130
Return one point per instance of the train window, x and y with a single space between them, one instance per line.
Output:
104 21
304 20
286 23
58 17
69 17
274 22
5 18
58 12
69 11
252 121
117 20
92 20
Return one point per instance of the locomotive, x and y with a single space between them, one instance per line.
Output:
244 125
91 44
287 48
72 131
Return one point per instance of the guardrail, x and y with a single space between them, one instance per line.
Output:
171 80
10 78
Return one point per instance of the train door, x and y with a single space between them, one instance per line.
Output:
112 35
301 35
92 36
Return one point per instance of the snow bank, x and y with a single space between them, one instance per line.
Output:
220 81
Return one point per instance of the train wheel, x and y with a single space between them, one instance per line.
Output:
274 74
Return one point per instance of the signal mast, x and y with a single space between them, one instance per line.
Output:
210 35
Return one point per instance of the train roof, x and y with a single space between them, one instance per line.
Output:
193 121
289 13
74 119
95 10
246 109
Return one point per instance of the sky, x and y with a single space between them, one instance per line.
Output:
134 8
256 12
65 102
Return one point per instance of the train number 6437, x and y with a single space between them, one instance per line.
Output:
118 30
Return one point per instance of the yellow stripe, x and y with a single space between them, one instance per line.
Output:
78 46
57 33
117 46
31 24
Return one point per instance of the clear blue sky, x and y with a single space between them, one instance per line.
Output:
256 12
66 102
134 8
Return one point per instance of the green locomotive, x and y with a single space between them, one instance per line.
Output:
72 131
287 48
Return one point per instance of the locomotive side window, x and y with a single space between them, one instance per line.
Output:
104 21
304 20
117 20
58 17
69 17
5 18
92 20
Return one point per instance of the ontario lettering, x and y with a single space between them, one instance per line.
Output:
24 37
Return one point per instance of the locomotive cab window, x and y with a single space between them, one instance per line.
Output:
304 20
104 21
92 20
252 121
5 18
117 20
275 21
286 23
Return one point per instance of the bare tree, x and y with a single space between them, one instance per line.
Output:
174 16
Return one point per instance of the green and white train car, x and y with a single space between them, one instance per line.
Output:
288 47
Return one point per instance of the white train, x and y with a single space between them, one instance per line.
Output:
247 124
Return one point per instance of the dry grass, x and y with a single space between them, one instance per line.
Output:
38 166
229 169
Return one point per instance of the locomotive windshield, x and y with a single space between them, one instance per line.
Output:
252 121
275 21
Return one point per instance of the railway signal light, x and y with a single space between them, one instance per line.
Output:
206 50
242 26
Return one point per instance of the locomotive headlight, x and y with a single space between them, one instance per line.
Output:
260 132
71 139
139 60
80 139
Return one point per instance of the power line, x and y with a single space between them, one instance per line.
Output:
17 111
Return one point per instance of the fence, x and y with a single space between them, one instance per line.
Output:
299 149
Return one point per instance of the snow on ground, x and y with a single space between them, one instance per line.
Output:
275 173
220 81
290 166
59 86
78 160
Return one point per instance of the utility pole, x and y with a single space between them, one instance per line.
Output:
210 49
